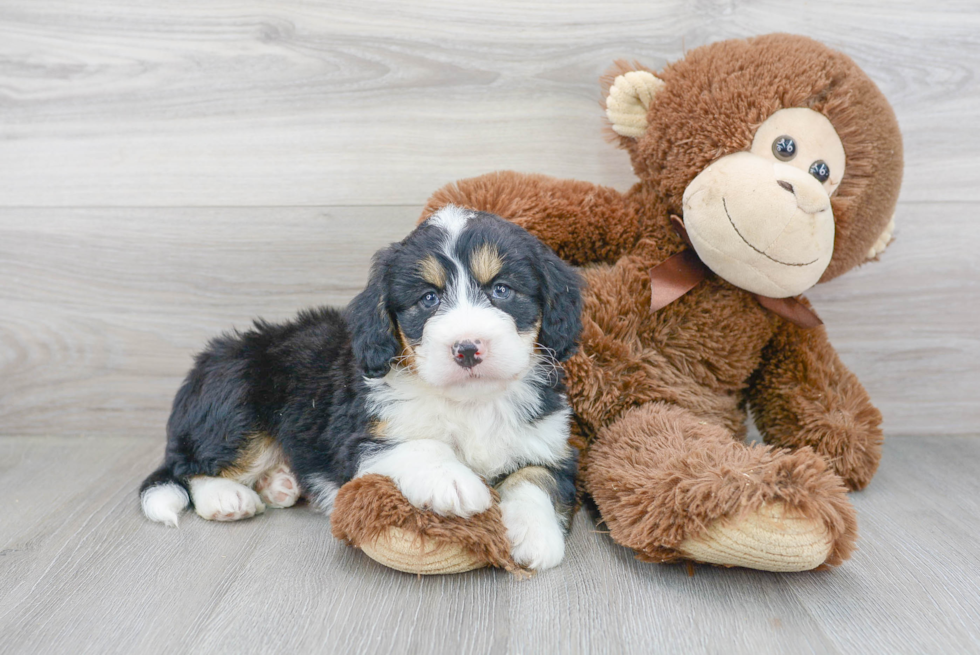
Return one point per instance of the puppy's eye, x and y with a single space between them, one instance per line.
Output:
820 170
784 148
429 300
502 291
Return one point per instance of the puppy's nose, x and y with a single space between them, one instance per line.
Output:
467 353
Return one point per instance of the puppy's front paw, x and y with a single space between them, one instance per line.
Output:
538 541
430 477
451 489
218 499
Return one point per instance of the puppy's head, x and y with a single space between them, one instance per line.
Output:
466 297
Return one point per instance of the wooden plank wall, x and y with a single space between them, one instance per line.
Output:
169 170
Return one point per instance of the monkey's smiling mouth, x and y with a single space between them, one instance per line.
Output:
725 206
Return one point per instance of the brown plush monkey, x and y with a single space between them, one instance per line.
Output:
766 166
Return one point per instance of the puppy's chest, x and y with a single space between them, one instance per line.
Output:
491 437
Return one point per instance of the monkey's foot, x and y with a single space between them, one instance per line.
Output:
772 538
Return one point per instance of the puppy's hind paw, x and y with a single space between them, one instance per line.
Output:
218 499
278 487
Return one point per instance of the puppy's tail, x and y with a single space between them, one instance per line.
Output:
164 496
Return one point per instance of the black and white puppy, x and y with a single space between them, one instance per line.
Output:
442 375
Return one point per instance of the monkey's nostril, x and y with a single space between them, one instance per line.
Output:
786 185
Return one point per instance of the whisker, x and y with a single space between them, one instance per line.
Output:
549 357
400 362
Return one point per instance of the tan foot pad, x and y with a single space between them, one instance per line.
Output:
369 512
774 538
402 551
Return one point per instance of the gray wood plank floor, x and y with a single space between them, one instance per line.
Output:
171 170
81 571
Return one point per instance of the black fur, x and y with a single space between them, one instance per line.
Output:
297 382
370 322
562 320
164 475
565 492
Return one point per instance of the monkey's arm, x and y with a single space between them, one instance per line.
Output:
803 395
582 222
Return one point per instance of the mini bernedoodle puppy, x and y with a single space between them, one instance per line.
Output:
442 375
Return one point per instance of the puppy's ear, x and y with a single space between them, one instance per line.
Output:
561 320
372 328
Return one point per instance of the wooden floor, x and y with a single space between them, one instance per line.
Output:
171 170
81 571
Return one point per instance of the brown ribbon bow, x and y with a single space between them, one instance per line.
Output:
678 274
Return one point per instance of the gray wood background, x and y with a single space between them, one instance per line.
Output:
169 170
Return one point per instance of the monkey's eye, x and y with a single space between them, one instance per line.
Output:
502 291
429 300
820 170
784 147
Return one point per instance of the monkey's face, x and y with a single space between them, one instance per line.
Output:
762 219
744 139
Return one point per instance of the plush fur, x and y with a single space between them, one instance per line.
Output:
662 397
442 375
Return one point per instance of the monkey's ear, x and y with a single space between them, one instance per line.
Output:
628 100
369 320
884 239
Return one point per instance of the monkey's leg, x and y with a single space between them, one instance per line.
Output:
672 486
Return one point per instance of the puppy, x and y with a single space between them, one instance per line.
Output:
442 375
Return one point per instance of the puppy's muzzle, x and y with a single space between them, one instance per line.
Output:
467 353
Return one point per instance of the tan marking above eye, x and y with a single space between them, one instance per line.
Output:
433 272
486 263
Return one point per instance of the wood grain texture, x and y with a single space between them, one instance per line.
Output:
300 103
84 572
101 310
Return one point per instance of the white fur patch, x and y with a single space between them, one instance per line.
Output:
452 219
164 503
505 353
533 527
219 499
488 425
430 477
321 493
